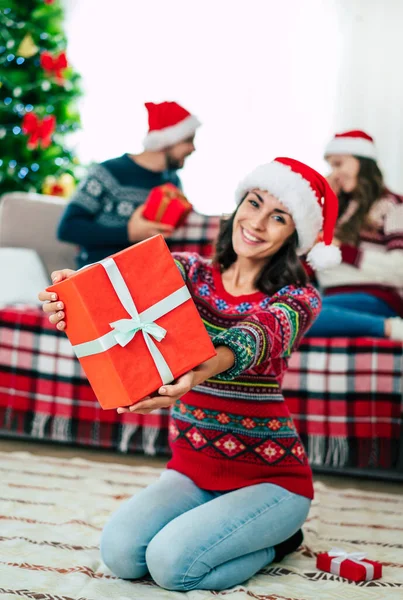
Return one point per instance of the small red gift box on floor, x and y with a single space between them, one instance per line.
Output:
353 566
166 204
132 323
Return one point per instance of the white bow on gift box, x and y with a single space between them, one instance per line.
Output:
339 555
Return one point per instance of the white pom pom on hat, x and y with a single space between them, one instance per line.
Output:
324 257
309 198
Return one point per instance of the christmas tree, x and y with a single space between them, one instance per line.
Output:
38 92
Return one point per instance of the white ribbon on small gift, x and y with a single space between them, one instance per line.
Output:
341 555
123 331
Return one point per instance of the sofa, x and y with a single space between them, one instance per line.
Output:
345 394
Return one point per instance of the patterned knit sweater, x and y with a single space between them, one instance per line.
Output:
235 429
375 265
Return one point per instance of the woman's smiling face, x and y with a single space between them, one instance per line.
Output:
261 226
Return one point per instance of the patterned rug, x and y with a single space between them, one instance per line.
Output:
52 512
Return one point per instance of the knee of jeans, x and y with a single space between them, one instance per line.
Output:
121 554
166 564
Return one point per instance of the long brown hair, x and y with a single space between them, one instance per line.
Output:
284 268
370 187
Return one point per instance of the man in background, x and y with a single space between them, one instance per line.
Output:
104 215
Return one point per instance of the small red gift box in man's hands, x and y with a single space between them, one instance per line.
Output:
166 204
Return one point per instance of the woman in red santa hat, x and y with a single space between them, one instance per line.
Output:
364 295
238 487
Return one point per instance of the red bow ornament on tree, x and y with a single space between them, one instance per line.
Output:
39 130
54 65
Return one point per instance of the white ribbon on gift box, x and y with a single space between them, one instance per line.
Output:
341 555
123 331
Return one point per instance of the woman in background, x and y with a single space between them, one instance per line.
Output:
363 296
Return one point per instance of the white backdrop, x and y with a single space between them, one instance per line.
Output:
266 78
370 85
260 74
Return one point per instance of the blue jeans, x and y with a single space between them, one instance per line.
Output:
188 538
351 315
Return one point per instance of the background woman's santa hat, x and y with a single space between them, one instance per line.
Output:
169 123
312 204
357 143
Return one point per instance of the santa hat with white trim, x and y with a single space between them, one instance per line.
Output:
169 123
312 204
357 143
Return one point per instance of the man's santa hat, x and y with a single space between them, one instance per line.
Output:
357 143
310 200
169 123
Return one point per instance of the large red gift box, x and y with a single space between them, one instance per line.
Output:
354 566
132 323
166 204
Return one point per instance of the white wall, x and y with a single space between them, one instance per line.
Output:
260 74
370 84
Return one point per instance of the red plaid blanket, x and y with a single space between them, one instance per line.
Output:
345 396
196 235
44 393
